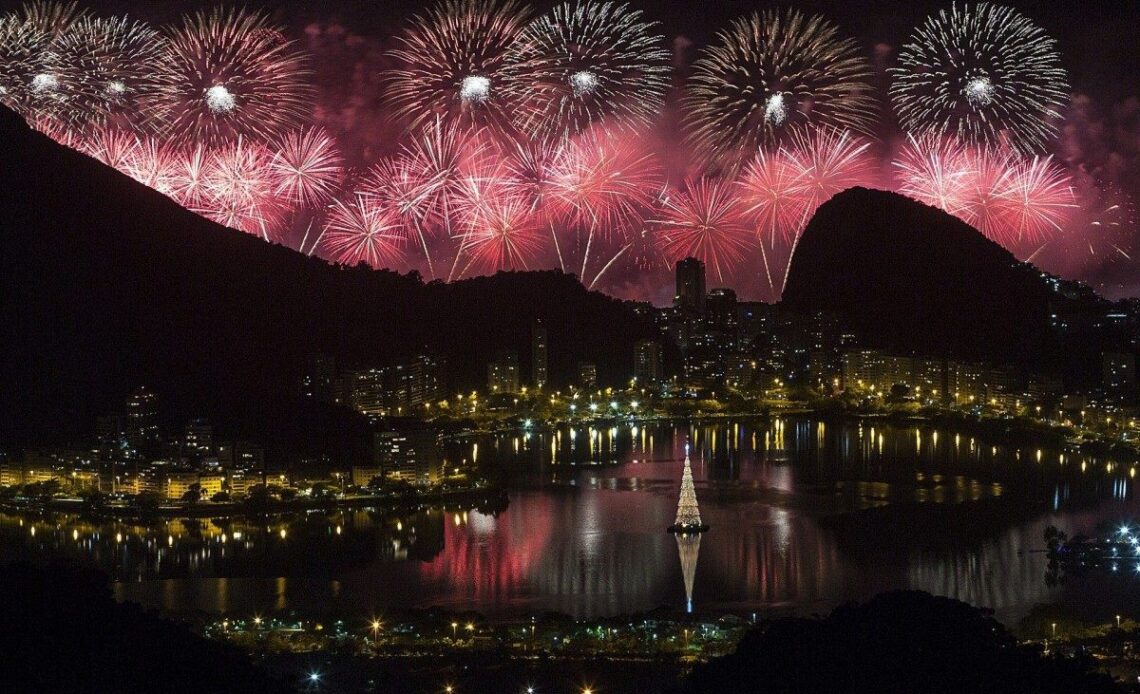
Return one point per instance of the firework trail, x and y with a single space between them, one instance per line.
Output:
53 18
602 184
772 72
363 231
983 73
230 74
585 62
706 220
451 63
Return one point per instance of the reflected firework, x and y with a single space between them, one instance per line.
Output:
984 73
770 72
230 74
585 62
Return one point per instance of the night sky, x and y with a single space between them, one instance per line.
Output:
1099 142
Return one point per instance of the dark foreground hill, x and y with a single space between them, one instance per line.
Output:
106 285
909 277
912 279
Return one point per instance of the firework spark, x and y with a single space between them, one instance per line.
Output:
230 74
309 167
585 62
706 220
363 231
451 61
109 72
983 73
770 72
938 171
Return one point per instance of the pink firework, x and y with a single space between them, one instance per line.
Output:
503 235
1037 200
363 231
190 179
154 165
229 74
771 194
309 167
937 171
706 220
112 146
1016 201
828 161
438 159
240 186
984 202
603 183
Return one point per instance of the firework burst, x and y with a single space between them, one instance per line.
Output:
984 73
363 230
827 161
937 171
706 220
24 58
586 62
771 193
1035 200
451 61
241 189
108 70
771 72
230 74
503 234
308 167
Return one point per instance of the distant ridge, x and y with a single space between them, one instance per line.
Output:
106 285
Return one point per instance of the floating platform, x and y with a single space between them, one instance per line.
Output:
687 529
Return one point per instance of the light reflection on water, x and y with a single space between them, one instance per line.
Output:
804 515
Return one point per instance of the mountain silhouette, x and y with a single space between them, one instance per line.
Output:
108 285
911 279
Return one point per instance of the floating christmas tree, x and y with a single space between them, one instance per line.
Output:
688 512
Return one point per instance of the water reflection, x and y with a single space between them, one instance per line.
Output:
804 515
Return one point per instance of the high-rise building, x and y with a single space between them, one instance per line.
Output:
1119 372
538 354
588 375
412 456
647 361
141 421
503 373
199 439
319 382
690 296
721 309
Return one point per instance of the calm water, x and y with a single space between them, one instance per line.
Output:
804 515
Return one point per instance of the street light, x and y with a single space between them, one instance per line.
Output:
454 630
1054 630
